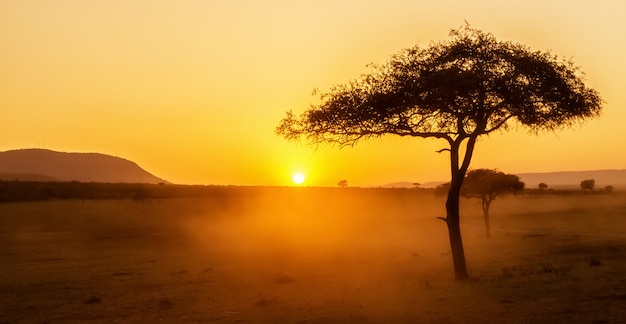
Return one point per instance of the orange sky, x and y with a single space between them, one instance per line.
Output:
192 90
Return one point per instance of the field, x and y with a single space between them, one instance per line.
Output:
307 255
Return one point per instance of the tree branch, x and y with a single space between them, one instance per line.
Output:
354 135
469 150
498 125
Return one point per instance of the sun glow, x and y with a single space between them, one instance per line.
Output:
297 178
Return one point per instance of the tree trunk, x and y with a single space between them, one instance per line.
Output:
486 205
454 231
452 204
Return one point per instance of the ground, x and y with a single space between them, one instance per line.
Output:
297 257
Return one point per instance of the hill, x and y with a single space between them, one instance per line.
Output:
47 165
406 184
401 184
615 178
560 179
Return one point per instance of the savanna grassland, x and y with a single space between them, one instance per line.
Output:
311 255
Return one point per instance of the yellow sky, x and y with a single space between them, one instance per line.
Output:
192 90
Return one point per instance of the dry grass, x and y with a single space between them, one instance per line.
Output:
311 258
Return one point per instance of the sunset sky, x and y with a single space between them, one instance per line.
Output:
193 90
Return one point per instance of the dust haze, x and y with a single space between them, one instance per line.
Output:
311 255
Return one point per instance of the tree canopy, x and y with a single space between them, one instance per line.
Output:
455 90
489 184
471 85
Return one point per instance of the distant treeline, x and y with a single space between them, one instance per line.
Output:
14 191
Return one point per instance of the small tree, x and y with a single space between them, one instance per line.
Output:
543 186
609 189
456 91
342 183
486 185
588 184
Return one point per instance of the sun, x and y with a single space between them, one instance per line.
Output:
297 178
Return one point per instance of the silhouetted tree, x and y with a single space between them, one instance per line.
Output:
543 186
342 183
456 90
609 189
588 184
486 185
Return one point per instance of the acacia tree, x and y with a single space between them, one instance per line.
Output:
486 185
455 90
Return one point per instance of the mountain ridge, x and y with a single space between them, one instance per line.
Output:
604 177
49 165
554 179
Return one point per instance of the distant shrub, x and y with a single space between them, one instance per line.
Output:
588 184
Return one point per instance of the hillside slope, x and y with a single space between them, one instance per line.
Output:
616 178
83 167
558 179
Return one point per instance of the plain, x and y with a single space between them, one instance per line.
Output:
311 255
